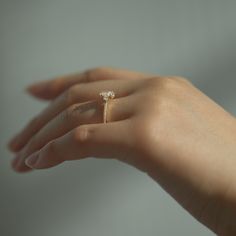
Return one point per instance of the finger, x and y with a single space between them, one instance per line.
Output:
52 88
74 116
76 94
94 140
19 168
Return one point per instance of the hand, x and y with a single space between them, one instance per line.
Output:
163 126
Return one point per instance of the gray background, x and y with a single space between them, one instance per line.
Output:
41 39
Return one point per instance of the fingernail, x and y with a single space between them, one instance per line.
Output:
32 160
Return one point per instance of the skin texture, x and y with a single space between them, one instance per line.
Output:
162 125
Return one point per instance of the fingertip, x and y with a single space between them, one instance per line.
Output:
19 167
36 90
39 90
13 145
31 161
37 160
37 86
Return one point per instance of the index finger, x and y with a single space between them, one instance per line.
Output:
50 89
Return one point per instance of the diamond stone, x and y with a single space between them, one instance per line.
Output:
107 95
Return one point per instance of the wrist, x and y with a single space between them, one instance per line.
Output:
210 197
226 215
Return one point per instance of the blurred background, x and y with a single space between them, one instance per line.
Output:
42 39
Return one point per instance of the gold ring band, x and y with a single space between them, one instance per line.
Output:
106 95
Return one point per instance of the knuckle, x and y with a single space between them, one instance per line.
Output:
66 115
160 83
96 73
102 70
70 95
82 134
169 83
166 82
71 113
181 79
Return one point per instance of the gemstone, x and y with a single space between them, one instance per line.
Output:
107 95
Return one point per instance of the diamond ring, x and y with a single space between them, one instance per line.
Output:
106 95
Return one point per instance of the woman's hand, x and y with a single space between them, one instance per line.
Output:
163 126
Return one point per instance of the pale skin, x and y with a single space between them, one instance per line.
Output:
162 125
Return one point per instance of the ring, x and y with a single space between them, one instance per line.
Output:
106 95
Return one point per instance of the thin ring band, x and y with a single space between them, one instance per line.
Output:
106 95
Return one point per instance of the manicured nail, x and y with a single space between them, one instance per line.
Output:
31 161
